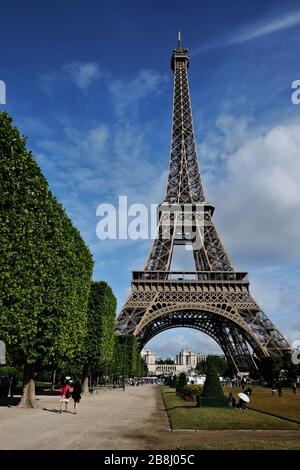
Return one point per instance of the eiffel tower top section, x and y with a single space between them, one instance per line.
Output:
184 182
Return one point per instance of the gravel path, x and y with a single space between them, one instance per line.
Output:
110 420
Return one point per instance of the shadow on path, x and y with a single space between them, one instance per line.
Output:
55 410
9 402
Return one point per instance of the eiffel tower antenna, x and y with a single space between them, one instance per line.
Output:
213 298
179 39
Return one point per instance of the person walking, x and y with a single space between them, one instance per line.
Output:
279 389
65 393
76 395
294 387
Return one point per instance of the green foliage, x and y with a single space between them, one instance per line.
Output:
191 390
218 362
174 381
7 370
181 382
127 361
169 360
119 361
45 266
270 367
168 381
212 386
100 327
201 367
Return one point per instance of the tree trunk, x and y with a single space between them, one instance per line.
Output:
85 380
53 380
28 398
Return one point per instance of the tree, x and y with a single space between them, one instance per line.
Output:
212 385
181 382
174 381
100 334
45 266
271 366
201 367
169 360
219 363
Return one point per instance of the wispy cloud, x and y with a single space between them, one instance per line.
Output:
82 74
128 94
248 32
264 27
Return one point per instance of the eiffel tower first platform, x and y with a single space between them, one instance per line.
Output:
213 298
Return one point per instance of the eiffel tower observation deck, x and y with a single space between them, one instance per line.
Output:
213 298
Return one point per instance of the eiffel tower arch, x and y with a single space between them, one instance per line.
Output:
214 298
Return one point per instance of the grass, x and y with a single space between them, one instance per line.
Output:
250 445
287 406
184 415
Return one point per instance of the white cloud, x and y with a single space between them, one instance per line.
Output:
265 26
82 74
169 343
128 94
262 27
253 177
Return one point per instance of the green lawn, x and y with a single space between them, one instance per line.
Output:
287 406
184 415
255 445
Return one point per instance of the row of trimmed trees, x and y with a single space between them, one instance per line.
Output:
50 312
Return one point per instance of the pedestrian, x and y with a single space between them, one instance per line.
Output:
242 404
76 395
274 390
65 392
279 389
232 400
294 387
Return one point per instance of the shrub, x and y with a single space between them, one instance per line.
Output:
212 385
181 382
190 391
174 381
212 394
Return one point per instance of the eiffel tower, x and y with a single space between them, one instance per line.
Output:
213 298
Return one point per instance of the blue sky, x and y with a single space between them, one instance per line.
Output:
90 84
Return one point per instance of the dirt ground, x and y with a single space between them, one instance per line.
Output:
111 420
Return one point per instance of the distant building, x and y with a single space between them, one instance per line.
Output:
189 359
185 361
149 357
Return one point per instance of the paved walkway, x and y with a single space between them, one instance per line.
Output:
110 420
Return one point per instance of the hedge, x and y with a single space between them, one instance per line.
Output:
45 265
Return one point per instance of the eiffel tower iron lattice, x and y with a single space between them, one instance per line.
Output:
214 298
